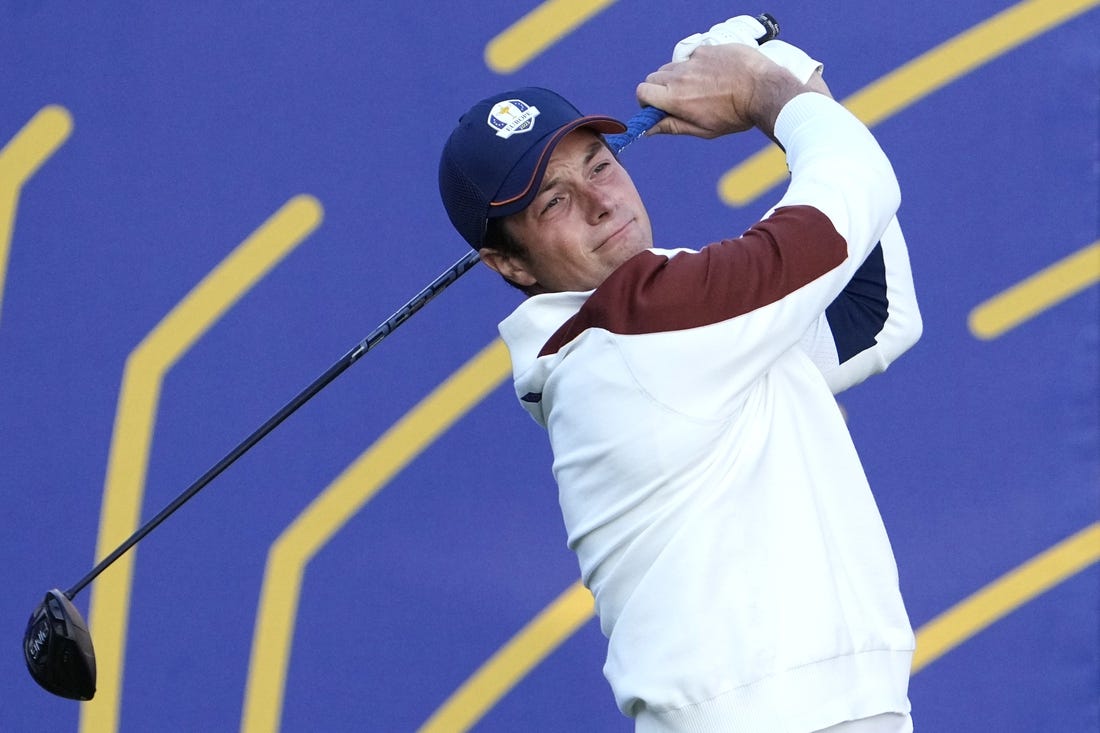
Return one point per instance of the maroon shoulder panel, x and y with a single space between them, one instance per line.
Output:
651 293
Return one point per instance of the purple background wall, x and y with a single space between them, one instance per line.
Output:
192 124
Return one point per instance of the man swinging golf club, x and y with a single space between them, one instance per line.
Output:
708 483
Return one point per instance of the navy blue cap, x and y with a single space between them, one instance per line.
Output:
495 158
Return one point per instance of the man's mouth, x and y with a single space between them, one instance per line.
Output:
617 234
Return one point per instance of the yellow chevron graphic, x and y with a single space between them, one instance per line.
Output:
538 30
19 160
1006 594
1043 290
135 421
574 608
504 670
914 81
331 510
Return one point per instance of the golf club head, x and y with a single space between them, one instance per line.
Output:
58 648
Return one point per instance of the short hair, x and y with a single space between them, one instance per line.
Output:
499 237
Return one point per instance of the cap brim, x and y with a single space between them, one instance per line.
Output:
521 185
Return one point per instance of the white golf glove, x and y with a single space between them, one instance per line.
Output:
745 29
792 58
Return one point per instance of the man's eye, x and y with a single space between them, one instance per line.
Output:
602 166
551 204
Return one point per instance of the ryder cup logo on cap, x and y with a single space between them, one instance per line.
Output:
512 116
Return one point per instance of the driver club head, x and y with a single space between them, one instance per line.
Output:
58 648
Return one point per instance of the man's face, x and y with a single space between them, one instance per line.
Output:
585 221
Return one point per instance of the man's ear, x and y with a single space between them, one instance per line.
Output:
509 266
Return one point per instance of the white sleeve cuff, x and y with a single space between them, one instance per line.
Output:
799 110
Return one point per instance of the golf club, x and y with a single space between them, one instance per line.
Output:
57 645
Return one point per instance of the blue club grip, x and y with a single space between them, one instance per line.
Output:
636 126
647 117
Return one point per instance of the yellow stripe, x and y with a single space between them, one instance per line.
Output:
133 432
331 510
503 671
538 30
574 608
914 81
1041 291
19 160
1006 594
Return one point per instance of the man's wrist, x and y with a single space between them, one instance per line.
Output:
774 88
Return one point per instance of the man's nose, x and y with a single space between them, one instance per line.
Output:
598 204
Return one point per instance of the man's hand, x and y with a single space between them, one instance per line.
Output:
719 90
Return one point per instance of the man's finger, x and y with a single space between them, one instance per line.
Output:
653 94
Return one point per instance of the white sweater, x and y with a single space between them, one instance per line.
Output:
708 483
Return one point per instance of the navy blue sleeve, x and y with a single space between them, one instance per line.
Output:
858 314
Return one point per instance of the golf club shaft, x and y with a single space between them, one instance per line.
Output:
448 277
373 339
637 126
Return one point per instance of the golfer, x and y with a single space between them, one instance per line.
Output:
708 483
